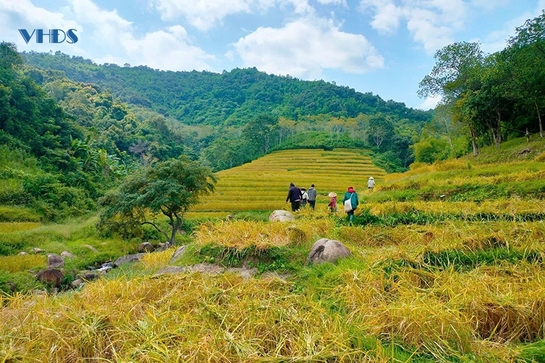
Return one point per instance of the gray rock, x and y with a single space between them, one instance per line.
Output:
281 216
327 250
50 276
177 254
245 272
66 254
207 268
145 247
77 283
54 261
88 276
163 246
128 259
171 270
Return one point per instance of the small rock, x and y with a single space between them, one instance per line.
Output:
54 261
67 254
145 247
281 216
327 250
128 258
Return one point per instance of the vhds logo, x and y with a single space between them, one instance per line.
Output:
53 36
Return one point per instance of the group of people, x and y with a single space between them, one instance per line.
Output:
299 197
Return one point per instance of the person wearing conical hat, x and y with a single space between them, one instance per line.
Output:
371 183
332 202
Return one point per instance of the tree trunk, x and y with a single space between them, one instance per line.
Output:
473 142
176 224
539 118
498 130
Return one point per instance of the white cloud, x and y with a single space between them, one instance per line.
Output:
104 36
206 14
202 14
305 47
168 49
430 103
333 2
387 14
431 22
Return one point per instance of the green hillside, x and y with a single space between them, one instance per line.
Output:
229 98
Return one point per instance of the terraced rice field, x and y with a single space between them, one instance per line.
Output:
263 184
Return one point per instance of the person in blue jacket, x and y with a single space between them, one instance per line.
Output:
350 202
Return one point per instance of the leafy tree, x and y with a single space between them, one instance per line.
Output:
453 77
381 131
169 188
527 52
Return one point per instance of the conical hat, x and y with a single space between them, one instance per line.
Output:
332 194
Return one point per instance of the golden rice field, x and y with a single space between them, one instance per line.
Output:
429 280
263 184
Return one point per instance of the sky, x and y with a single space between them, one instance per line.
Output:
381 46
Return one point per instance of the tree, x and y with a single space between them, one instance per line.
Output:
169 188
453 77
527 52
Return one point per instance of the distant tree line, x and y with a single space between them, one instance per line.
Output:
485 98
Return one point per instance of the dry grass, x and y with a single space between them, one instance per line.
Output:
8 227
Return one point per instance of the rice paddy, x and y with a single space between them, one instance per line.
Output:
263 184
457 278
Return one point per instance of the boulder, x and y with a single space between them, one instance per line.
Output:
145 247
54 261
177 254
281 216
128 259
51 277
66 254
207 268
245 272
327 250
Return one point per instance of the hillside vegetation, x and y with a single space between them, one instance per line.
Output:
430 279
234 117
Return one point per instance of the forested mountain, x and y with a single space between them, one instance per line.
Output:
231 118
229 98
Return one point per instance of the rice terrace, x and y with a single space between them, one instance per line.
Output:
452 278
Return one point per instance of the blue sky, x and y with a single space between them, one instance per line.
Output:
381 46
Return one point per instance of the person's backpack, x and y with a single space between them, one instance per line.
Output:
348 205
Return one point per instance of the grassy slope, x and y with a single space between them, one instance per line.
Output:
425 283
